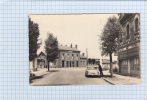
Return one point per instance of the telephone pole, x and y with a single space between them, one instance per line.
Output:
87 55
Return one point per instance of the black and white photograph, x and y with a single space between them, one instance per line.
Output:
84 49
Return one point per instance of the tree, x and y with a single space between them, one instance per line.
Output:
93 61
109 38
33 39
51 48
89 60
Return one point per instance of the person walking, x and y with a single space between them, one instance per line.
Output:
100 69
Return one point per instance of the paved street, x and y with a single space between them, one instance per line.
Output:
67 76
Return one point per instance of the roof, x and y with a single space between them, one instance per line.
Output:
81 56
42 53
67 48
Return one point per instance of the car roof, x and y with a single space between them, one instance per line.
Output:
92 66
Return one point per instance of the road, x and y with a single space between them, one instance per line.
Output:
67 76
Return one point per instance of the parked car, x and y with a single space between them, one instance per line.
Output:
92 71
31 74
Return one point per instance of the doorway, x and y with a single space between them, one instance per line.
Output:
70 63
62 63
67 64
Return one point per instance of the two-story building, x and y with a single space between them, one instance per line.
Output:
129 44
67 57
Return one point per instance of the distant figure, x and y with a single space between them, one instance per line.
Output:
100 69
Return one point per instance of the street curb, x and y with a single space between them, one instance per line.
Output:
108 81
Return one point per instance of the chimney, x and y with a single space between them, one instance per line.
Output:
71 45
83 54
65 45
76 46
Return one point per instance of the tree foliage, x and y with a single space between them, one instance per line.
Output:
93 61
51 48
33 38
109 38
89 60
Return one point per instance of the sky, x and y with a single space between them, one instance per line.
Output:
82 30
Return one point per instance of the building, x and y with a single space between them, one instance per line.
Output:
129 44
83 60
41 60
106 65
68 57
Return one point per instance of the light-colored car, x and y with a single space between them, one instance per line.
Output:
92 71
31 74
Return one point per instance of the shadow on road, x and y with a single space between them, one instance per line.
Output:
93 77
99 76
54 70
106 76
36 77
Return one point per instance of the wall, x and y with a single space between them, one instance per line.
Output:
83 62
66 59
130 49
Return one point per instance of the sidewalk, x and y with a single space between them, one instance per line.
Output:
120 79
40 72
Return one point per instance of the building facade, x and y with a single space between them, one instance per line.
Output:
41 60
67 57
83 60
129 44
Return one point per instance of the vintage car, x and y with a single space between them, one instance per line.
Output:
31 74
92 71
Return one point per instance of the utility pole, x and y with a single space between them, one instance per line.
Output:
87 55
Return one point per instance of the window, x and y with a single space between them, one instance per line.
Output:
128 35
77 57
62 56
124 62
136 61
68 56
136 25
72 56
120 37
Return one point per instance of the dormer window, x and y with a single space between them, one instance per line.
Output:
72 56
62 56
68 56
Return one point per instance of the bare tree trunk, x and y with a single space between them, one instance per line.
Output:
33 66
48 65
111 71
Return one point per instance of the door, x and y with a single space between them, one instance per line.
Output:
70 63
67 64
62 63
